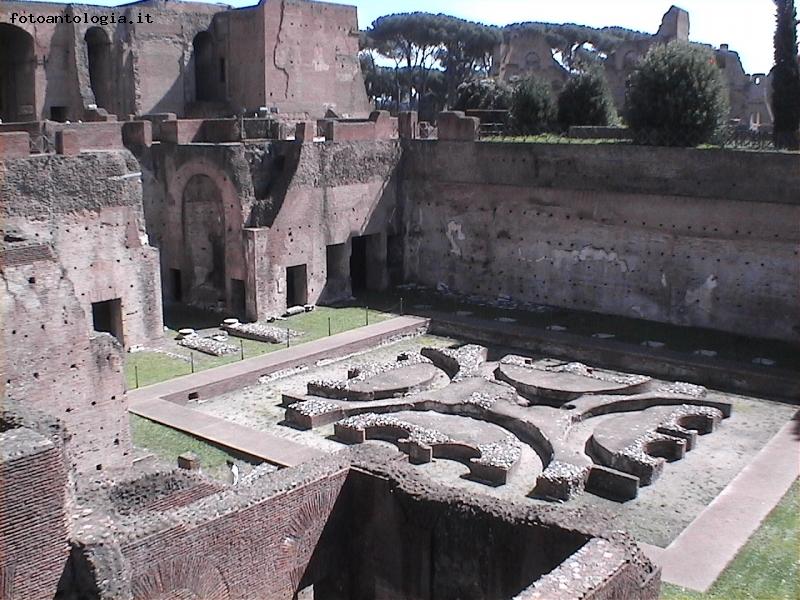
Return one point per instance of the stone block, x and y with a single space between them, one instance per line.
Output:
68 142
305 131
189 461
454 126
14 144
407 125
612 484
137 133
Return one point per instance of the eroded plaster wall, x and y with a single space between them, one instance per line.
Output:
692 237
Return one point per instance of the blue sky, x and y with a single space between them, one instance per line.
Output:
746 25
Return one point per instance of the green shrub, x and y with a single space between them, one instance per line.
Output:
486 94
786 78
676 97
586 100
531 107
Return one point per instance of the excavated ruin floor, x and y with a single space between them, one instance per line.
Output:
659 513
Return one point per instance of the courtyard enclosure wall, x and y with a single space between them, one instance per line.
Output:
233 222
700 238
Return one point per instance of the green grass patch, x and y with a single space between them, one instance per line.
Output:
167 443
154 367
552 138
766 568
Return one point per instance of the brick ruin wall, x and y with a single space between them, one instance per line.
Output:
688 237
33 510
309 60
53 364
354 525
89 209
336 191
276 205
74 235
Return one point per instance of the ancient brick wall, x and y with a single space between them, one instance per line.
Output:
689 237
52 363
279 204
151 66
234 550
312 58
33 519
336 191
88 208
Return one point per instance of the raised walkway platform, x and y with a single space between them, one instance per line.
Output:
697 557
165 402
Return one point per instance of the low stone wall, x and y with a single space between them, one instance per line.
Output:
379 126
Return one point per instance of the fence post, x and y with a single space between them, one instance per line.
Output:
241 348
136 375
366 314
329 326
191 358
401 306
287 337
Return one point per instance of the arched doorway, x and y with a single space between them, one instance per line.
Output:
17 68
98 50
204 83
204 242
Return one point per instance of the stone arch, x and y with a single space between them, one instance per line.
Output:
183 578
17 74
174 247
204 53
98 51
203 218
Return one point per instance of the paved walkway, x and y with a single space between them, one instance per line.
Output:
701 552
245 440
162 402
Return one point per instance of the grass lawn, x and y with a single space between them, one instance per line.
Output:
154 367
167 443
766 568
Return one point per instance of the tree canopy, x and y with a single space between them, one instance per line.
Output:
786 77
423 43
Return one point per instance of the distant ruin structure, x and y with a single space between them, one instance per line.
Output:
526 51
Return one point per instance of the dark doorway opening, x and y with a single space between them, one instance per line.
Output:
58 114
176 285
296 286
98 49
17 73
204 80
358 264
107 317
238 303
